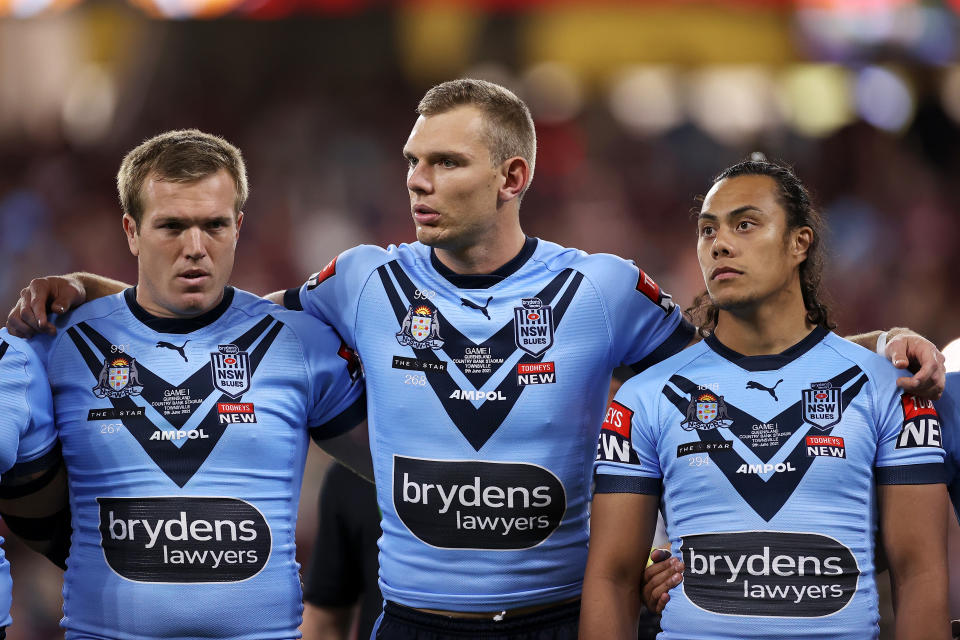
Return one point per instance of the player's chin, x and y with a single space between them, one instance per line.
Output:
194 303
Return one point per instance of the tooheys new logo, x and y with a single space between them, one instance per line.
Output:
468 504
183 539
768 573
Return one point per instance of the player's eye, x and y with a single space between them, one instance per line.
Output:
745 225
411 162
447 163
706 231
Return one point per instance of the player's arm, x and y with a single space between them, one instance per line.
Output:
914 525
906 348
352 449
56 294
34 505
622 526
326 623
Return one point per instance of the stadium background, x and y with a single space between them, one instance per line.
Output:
637 105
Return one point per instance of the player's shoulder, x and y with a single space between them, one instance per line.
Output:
14 349
877 367
369 256
99 308
556 258
651 380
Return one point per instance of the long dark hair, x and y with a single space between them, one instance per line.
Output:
795 200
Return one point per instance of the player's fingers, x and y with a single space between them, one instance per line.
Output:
659 555
929 382
897 352
24 310
661 603
659 578
16 326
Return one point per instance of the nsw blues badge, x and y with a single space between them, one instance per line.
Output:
533 326
231 370
821 405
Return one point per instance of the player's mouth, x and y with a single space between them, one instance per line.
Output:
423 214
725 273
193 277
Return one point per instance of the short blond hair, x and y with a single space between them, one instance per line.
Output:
184 155
508 123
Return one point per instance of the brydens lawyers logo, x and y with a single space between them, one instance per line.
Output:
420 328
118 378
231 370
821 405
533 326
921 424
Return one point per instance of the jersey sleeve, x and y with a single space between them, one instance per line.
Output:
333 293
337 401
909 440
27 430
948 408
647 326
627 460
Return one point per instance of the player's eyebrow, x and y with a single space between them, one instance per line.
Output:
706 215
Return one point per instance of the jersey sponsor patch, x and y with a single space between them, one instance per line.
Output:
316 279
118 378
536 373
921 424
353 361
231 370
420 328
236 412
648 287
830 446
183 539
533 326
475 504
768 573
614 444
693 448
821 404
706 410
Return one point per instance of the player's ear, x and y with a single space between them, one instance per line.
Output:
802 238
132 233
516 175
239 222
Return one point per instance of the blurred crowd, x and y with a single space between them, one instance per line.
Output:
322 137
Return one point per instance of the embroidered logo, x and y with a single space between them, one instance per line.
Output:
821 405
231 370
118 378
533 326
706 411
420 328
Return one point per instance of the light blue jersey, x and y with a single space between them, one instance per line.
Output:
27 434
768 466
485 398
949 409
184 441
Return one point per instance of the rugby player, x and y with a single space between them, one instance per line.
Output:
767 439
490 354
184 408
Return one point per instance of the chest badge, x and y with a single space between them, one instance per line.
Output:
118 378
821 405
533 326
706 411
420 328
231 370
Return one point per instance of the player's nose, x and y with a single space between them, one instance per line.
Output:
419 179
194 245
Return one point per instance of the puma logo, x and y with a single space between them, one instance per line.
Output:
473 305
756 385
173 347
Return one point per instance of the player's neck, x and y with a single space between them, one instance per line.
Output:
767 328
485 256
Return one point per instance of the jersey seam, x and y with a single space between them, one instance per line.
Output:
606 316
874 398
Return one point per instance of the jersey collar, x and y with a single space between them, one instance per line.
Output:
484 280
767 362
176 325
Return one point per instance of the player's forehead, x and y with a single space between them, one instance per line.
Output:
210 197
461 129
734 195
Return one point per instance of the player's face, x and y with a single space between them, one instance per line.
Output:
185 244
746 254
452 181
